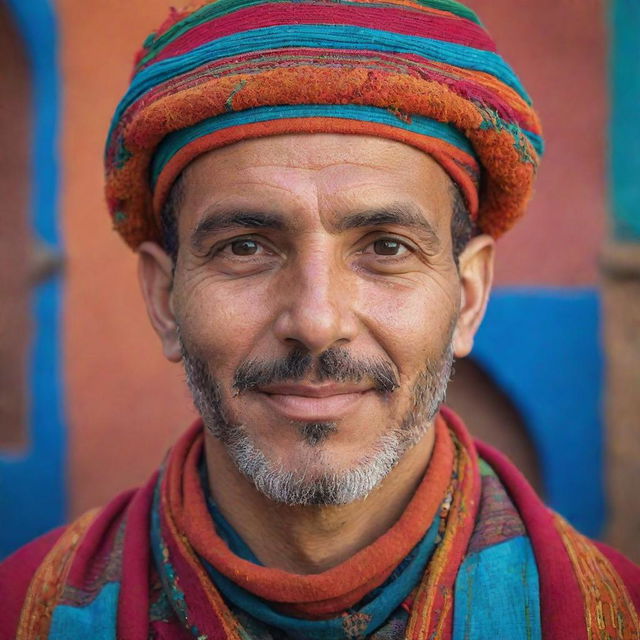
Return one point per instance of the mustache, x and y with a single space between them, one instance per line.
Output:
334 364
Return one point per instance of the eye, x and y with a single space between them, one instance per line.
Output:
388 247
245 247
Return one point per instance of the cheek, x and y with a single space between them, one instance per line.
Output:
411 324
222 321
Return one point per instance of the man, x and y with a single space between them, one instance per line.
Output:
314 189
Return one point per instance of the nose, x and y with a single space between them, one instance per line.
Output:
316 312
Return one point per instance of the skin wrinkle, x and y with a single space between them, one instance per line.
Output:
307 289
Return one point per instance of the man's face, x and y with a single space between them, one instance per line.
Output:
316 300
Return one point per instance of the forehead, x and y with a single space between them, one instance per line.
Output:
326 175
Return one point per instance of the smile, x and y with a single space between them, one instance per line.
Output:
314 403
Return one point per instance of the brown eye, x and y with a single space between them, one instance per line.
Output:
387 247
244 247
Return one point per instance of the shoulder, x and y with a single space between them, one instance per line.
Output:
94 531
627 570
15 575
575 573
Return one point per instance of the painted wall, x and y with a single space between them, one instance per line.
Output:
33 496
124 404
559 48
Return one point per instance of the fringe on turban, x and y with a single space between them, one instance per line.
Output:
422 72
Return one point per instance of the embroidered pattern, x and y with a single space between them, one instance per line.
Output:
609 611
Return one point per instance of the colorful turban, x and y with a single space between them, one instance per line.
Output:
422 72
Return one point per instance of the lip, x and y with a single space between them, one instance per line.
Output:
312 390
309 403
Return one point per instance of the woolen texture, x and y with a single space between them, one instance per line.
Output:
385 69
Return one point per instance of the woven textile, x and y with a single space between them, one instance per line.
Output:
502 564
425 73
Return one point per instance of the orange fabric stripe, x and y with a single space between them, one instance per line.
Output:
186 503
173 481
433 601
507 180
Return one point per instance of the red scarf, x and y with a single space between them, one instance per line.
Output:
309 596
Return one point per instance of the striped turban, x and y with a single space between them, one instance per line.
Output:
422 72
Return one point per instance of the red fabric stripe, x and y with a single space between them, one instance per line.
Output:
394 20
98 542
200 594
561 601
16 573
133 602
436 602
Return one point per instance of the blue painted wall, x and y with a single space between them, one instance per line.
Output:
32 487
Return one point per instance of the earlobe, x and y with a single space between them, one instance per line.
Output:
476 278
155 275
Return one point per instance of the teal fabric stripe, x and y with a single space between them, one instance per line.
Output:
425 126
624 124
225 7
380 608
535 140
497 594
322 36
230 536
96 620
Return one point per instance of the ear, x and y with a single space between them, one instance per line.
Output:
475 268
155 274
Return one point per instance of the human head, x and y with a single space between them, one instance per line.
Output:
439 126
314 301
426 74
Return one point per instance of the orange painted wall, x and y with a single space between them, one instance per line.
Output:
125 404
559 49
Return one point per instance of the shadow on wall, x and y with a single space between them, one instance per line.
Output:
15 123
492 417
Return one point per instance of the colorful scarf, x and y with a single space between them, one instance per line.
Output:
422 72
493 562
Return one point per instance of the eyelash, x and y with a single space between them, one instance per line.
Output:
219 248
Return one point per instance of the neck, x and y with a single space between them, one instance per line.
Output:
312 539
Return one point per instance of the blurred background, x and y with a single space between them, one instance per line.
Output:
88 405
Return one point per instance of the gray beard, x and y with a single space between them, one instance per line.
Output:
327 487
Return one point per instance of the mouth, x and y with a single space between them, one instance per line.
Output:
314 403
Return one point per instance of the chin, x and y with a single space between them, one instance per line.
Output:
317 470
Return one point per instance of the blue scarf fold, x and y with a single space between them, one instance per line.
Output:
367 617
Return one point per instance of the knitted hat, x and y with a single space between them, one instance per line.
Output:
423 72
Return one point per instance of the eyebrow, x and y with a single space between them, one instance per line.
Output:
215 222
402 215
